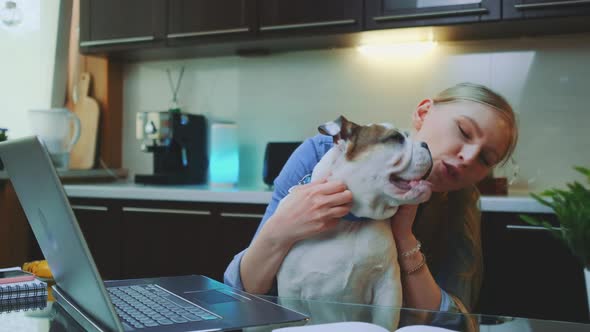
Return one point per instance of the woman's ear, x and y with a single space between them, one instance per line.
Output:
421 112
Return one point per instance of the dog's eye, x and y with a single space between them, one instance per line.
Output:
396 137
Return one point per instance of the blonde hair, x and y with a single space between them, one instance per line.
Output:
483 95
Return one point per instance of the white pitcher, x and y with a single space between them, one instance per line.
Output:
59 130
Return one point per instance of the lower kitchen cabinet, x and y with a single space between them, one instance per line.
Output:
528 272
177 238
168 239
140 238
238 224
101 228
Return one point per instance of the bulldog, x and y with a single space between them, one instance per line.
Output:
356 262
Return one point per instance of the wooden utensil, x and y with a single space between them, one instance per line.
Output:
83 154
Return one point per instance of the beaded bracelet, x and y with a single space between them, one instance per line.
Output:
417 267
413 250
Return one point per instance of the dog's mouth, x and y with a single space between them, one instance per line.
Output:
400 183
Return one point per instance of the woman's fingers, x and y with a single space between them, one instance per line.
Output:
331 187
339 198
338 212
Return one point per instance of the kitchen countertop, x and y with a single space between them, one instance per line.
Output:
101 174
519 203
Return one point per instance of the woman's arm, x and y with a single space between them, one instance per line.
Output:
419 287
309 209
269 246
457 286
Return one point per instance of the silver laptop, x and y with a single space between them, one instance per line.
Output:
184 303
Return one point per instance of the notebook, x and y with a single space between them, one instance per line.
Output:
23 304
184 303
22 289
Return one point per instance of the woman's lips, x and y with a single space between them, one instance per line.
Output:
450 171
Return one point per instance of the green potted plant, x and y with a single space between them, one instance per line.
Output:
572 208
3 134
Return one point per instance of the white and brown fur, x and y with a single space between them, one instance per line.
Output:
356 262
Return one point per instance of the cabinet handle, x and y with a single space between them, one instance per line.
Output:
177 211
531 228
537 5
207 33
116 41
306 25
241 215
89 207
430 14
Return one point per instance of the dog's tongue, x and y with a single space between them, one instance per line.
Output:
403 184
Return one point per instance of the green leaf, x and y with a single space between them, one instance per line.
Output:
572 208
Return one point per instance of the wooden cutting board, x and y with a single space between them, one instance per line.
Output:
83 154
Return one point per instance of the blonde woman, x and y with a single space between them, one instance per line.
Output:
469 130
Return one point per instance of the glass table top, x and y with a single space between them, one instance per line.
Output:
53 318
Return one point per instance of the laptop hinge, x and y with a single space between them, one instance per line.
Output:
72 309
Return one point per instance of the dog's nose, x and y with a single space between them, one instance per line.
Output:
424 145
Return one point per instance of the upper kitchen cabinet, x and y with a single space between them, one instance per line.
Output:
111 25
382 14
206 20
544 8
302 17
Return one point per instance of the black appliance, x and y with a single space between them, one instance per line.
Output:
179 144
276 155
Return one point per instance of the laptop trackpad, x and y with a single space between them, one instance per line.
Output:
210 297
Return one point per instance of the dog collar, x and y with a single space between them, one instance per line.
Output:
352 217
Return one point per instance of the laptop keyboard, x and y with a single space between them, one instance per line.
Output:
151 305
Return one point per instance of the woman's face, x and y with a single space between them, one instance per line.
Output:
466 140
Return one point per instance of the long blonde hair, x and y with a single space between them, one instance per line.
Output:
483 95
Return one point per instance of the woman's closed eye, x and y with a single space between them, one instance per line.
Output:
463 131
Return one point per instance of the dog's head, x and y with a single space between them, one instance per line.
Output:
382 167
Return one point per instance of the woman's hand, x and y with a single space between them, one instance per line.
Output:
402 222
308 210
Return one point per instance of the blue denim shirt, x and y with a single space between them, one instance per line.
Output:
300 164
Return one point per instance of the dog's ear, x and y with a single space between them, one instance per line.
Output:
339 129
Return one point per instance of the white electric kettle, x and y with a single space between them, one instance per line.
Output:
59 130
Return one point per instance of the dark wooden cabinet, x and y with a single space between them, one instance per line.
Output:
544 8
210 20
238 224
121 24
167 239
528 272
101 226
309 16
382 14
177 238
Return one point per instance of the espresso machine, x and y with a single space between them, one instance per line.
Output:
178 142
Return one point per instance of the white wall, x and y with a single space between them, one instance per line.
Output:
284 97
26 64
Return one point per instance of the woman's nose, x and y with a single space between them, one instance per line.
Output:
468 153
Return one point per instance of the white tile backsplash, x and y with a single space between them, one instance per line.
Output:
284 97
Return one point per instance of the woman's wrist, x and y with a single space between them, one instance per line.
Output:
405 243
275 237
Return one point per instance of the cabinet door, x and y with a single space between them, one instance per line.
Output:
309 16
207 19
121 24
544 8
100 225
381 14
165 240
238 224
528 272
